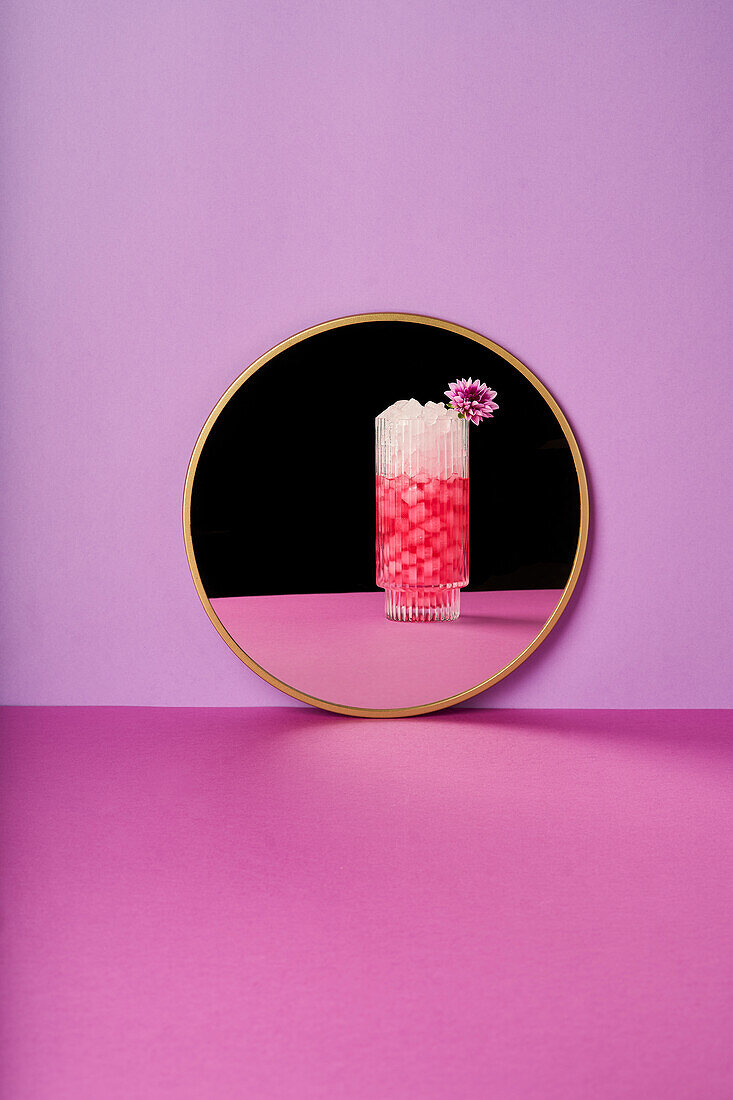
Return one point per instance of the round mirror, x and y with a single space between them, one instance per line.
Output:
372 539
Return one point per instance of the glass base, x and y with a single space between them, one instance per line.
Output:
422 605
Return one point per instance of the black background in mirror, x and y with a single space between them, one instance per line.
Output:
283 497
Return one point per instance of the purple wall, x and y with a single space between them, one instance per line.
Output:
188 183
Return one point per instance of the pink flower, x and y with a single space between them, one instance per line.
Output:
472 399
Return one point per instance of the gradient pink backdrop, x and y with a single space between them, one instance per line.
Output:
279 904
187 183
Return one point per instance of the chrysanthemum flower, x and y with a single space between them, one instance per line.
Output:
474 400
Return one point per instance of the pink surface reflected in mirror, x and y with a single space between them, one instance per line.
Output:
339 645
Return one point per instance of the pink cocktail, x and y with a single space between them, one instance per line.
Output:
422 513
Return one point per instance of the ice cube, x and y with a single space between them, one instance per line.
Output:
393 412
412 495
411 409
433 410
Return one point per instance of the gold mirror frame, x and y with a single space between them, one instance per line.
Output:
357 319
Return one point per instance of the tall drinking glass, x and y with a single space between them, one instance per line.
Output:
422 516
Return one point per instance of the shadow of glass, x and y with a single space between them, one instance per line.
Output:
471 619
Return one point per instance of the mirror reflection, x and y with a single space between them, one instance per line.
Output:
373 536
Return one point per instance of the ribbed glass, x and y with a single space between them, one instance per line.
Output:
422 517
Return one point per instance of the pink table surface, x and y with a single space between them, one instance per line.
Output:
339 646
286 904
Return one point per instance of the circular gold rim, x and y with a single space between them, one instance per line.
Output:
435 322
